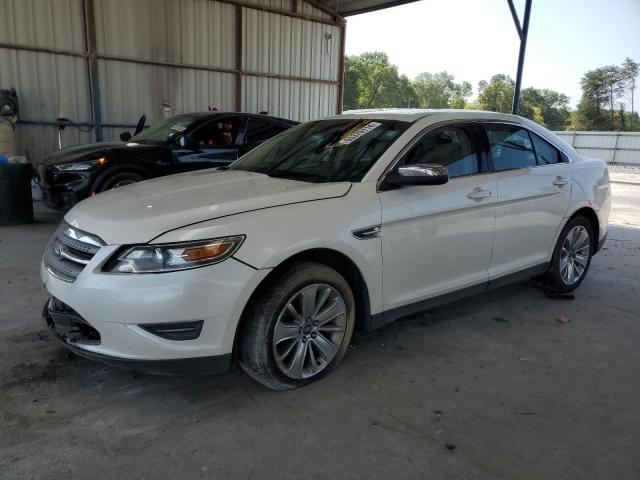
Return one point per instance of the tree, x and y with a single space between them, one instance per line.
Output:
630 71
372 82
601 89
439 90
547 107
497 94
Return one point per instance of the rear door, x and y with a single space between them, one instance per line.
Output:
534 190
437 239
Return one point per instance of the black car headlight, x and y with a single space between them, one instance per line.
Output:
80 166
170 257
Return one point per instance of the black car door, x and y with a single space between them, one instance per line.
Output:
216 143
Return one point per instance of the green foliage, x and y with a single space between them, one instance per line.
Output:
372 82
604 91
497 94
440 91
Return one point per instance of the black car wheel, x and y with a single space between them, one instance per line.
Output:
120 179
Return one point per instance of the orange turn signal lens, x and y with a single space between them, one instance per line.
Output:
205 252
102 161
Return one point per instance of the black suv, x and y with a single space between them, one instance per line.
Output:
183 142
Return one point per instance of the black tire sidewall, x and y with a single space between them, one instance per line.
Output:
270 304
111 180
555 276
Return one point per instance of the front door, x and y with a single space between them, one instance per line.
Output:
437 239
216 143
534 190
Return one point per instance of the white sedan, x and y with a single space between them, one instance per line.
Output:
347 222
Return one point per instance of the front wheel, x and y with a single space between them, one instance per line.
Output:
120 179
572 255
299 328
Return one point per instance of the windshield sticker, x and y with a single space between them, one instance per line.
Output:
178 128
357 132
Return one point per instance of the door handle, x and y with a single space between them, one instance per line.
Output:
561 181
479 194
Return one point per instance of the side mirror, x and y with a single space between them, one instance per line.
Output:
418 174
125 136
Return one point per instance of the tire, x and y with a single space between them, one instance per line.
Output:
120 179
274 336
572 254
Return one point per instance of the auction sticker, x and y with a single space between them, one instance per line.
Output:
357 132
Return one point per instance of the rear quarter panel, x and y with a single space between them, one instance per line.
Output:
591 189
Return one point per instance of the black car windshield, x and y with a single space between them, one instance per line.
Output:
324 150
165 130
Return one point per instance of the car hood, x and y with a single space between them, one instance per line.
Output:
90 151
138 213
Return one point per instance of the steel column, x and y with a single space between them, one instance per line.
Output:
239 48
92 63
343 36
523 32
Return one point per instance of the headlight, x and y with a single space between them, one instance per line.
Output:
170 257
80 166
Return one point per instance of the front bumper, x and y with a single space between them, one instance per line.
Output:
119 307
62 190
76 331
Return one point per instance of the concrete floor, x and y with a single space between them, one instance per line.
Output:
517 392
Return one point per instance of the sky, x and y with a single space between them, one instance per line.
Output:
475 39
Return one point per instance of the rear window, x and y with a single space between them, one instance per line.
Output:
511 147
546 154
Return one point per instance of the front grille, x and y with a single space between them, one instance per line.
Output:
69 251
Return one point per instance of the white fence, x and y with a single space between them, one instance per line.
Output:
614 147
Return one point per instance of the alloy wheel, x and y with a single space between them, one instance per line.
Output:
574 255
309 331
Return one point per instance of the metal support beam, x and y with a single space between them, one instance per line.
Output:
239 48
343 36
523 32
92 63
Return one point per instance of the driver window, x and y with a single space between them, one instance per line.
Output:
219 133
449 147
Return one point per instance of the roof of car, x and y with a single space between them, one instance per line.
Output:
211 114
415 114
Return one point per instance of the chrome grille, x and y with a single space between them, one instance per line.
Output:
69 250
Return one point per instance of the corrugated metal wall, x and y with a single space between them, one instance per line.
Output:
613 147
49 86
290 47
149 52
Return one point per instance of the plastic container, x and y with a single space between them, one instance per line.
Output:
16 205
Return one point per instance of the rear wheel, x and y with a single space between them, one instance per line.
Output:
299 329
572 255
120 179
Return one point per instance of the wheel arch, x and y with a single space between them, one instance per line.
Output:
119 168
340 262
591 215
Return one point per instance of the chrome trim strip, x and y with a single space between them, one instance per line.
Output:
64 252
82 236
56 275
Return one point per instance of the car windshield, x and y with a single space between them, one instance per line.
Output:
165 130
324 150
